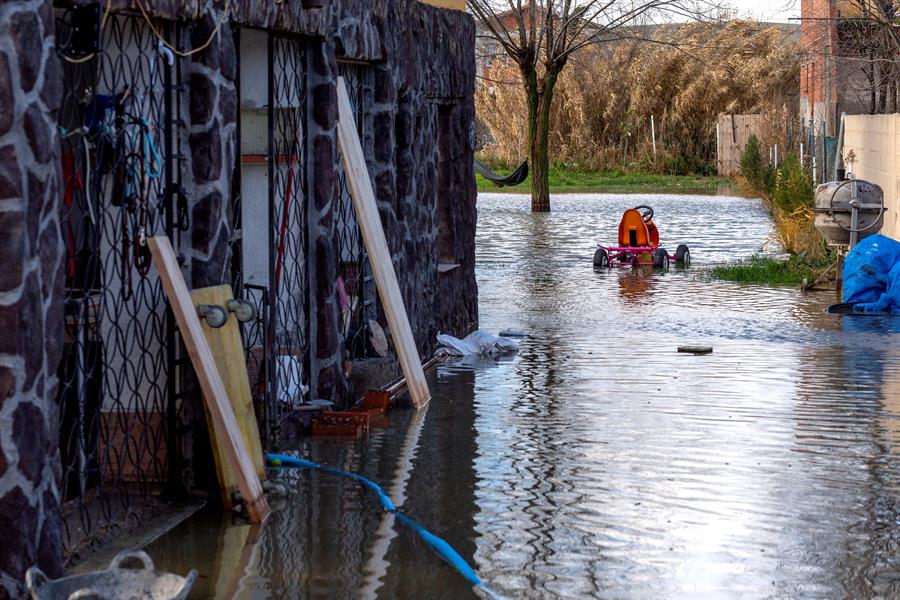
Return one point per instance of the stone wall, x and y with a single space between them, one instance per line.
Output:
31 282
211 142
421 113
427 76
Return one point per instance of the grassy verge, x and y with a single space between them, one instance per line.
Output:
564 180
769 271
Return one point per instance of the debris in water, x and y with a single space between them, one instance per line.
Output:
513 333
696 349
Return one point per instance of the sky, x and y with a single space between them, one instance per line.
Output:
768 10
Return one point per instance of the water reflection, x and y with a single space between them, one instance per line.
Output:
599 462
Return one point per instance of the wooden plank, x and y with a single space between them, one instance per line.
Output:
367 216
451 4
228 352
211 384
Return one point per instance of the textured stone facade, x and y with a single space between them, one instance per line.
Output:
419 115
31 259
211 142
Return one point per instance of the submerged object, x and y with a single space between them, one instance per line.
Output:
439 545
476 343
115 583
638 244
871 281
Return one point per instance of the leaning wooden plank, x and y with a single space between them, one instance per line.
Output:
231 363
211 385
369 221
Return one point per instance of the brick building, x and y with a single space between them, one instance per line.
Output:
847 62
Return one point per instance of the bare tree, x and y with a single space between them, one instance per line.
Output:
541 36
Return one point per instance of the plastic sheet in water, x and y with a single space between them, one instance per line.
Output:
872 275
477 343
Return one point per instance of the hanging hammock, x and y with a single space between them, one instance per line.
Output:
514 178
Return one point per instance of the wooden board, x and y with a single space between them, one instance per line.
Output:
228 352
367 216
214 394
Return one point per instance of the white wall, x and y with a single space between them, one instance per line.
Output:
875 143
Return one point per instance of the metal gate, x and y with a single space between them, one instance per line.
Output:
116 378
274 138
358 294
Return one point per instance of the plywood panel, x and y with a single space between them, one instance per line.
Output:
214 394
228 352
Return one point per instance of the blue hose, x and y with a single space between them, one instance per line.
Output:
439 545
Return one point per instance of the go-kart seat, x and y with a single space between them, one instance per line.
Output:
634 231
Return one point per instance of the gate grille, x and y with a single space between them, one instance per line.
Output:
358 297
116 380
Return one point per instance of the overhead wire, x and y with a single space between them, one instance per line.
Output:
168 45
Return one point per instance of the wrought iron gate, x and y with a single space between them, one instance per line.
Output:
277 342
116 378
358 296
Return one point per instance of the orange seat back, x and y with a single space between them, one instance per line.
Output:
634 231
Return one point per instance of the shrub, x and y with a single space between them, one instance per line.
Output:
794 187
752 168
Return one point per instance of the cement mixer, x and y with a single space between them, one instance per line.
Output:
848 211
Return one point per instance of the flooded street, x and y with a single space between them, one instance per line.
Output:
598 462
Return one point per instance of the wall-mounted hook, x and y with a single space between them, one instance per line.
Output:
243 311
214 314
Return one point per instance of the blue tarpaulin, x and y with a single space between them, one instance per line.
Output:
872 275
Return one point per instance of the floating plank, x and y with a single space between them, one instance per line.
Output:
367 216
214 394
228 351
695 349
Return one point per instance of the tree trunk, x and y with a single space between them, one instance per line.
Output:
539 96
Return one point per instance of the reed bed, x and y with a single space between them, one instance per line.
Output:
685 76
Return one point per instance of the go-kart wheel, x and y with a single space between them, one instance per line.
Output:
601 258
660 259
646 212
682 256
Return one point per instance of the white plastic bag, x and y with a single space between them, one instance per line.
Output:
477 342
289 374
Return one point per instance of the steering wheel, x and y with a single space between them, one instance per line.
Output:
646 212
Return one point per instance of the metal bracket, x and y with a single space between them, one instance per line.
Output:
214 315
243 311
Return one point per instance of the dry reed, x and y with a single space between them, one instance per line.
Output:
685 78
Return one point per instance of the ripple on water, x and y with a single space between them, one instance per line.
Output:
599 462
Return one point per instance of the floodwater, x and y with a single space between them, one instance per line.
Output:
599 462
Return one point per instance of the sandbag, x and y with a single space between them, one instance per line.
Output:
872 275
477 342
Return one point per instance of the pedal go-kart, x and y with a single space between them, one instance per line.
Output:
639 244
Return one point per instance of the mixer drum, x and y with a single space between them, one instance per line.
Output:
832 216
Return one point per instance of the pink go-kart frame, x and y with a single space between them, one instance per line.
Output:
639 244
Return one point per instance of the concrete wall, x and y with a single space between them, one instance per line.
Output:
875 143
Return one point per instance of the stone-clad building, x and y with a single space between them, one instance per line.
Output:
213 122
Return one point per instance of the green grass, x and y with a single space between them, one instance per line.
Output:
564 180
769 271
